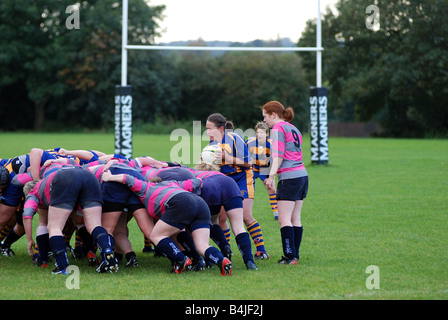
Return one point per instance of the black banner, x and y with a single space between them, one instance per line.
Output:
123 120
319 125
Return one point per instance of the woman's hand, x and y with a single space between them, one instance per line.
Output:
107 176
269 182
30 247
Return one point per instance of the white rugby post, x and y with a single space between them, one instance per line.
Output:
125 95
318 45
318 106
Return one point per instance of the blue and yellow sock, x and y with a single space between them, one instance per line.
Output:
147 244
257 236
227 235
78 241
273 203
4 232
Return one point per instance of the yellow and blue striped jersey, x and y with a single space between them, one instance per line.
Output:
235 145
261 154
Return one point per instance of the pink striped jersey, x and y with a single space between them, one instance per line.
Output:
155 195
203 174
39 197
150 172
287 144
97 171
45 171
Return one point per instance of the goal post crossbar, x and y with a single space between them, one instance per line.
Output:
318 94
125 47
199 48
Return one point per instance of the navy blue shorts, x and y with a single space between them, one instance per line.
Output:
73 185
118 196
235 203
175 173
219 189
292 189
186 210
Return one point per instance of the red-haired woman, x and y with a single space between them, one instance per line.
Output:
292 186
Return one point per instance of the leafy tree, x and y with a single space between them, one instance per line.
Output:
237 84
396 75
252 79
69 75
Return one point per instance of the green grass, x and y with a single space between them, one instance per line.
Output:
380 202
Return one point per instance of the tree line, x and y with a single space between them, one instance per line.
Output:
56 78
395 74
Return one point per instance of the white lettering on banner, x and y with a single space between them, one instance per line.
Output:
117 124
323 128
314 129
126 126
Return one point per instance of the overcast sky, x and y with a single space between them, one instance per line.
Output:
236 20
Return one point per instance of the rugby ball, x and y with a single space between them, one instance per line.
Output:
208 154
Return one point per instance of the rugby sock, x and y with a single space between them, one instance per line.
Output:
298 232
227 235
186 241
78 241
147 245
218 236
4 232
43 243
104 240
129 255
273 203
67 238
257 236
245 246
287 234
57 244
11 238
118 256
85 238
213 256
168 248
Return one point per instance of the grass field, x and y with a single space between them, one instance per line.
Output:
381 202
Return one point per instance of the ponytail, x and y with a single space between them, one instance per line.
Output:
220 121
288 114
276 107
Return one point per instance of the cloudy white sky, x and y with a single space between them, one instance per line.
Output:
236 20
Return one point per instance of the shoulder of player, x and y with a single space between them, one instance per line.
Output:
251 140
